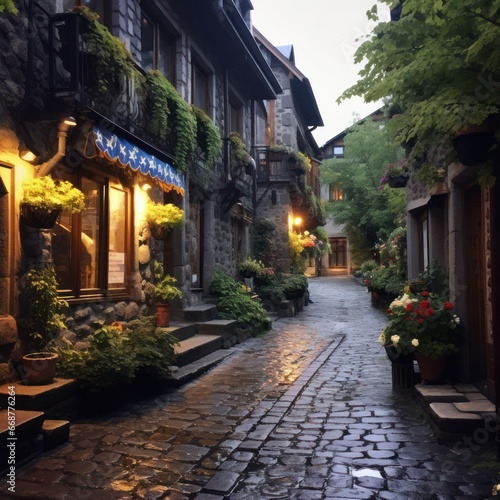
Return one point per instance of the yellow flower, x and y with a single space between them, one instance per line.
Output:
414 342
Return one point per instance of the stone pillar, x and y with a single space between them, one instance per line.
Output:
208 247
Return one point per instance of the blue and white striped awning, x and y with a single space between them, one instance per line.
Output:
126 154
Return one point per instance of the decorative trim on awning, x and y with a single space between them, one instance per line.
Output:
126 154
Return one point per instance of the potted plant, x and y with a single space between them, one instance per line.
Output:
421 323
44 322
250 268
162 218
43 200
165 291
396 175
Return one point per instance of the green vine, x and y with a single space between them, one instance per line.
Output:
8 6
240 158
112 58
208 136
166 102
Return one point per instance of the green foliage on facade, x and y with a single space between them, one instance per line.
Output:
440 63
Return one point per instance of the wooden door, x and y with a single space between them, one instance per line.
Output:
475 283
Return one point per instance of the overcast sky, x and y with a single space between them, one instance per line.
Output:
323 34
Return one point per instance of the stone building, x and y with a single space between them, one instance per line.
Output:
83 107
288 192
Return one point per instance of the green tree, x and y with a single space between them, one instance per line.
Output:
368 211
440 62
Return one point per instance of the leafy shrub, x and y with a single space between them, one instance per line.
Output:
295 285
115 356
388 280
235 302
264 246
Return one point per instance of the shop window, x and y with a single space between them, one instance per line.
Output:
157 48
90 249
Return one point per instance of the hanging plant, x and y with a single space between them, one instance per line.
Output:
208 136
110 57
44 192
165 217
240 158
170 114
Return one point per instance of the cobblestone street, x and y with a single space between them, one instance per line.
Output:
303 412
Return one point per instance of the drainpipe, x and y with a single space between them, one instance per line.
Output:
62 135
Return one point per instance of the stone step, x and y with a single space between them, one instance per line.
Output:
22 443
227 329
55 433
181 330
456 409
192 370
57 400
200 312
196 347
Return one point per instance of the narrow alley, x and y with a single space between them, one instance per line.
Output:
304 412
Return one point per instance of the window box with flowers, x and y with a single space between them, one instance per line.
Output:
422 323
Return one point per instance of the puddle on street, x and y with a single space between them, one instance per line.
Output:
366 473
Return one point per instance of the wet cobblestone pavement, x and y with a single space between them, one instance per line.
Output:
304 412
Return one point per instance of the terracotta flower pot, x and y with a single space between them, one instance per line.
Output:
39 368
430 369
162 315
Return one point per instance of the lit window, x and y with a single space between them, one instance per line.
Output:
336 192
90 249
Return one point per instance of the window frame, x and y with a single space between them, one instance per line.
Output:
76 291
160 34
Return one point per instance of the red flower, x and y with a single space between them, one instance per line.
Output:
424 304
408 318
425 293
409 307
420 320
389 311
418 312
430 312
447 306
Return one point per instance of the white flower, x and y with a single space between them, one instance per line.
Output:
456 319
414 342
382 338
395 340
402 301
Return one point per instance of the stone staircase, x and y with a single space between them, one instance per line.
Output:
203 341
456 410
34 419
